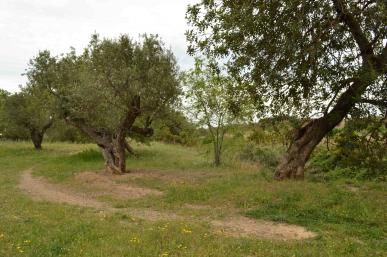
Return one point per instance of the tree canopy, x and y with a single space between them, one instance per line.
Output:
300 55
307 58
114 89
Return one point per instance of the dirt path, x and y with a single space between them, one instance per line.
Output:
40 189
106 185
235 225
245 227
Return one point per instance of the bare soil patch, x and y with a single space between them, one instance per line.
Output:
353 189
168 175
40 189
196 206
245 227
153 215
236 226
106 184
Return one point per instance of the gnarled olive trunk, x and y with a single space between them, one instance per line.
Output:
115 157
113 144
305 140
114 154
37 138
310 135
38 134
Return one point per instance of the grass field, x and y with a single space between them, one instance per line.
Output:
348 217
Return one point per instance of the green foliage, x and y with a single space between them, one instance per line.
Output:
206 95
209 102
359 151
30 110
174 127
269 156
98 86
3 98
296 55
88 155
275 130
10 126
63 132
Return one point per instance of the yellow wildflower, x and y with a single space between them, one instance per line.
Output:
134 240
186 231
20 250
163 227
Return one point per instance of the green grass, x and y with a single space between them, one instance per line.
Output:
348 222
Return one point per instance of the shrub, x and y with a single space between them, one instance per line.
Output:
88 155
266 155
359 152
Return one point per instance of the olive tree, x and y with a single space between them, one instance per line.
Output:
31 112
113 90
313 59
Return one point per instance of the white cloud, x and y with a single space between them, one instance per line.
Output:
28 26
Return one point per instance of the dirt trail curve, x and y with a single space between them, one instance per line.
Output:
235 226
40 189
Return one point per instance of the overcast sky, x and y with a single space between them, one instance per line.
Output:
28 26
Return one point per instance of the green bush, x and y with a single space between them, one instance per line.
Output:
359 151
268 155
88 155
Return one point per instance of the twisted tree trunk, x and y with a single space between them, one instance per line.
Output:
304 141
37 138
38 134
307 137
115 158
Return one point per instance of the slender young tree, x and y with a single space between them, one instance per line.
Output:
209 103
113 90
312 59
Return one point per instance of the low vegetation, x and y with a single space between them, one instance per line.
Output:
349 220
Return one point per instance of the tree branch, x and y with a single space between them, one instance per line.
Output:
342 85
382 103
100 139
353 25
48 125
130 149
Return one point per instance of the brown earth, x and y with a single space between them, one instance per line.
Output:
40 189
245 227
106 184
235 226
